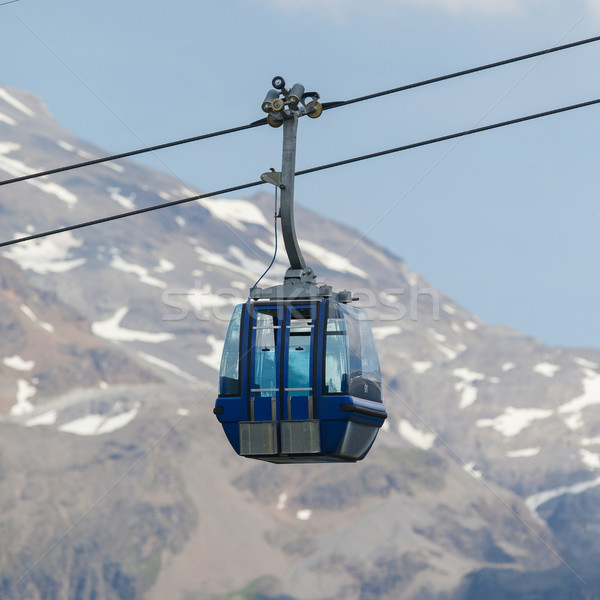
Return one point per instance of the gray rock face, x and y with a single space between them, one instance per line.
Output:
117 482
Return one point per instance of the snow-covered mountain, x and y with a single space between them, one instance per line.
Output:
118 483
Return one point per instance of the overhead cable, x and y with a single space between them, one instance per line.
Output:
326 106
97 161
303 172
450 136
130 213
493 65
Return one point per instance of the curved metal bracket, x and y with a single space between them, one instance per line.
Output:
288 169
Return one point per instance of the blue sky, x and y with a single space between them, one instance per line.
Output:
505 222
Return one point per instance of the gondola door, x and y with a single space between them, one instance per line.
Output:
299 429
281 404
259 435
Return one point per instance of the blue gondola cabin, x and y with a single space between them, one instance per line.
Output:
300 382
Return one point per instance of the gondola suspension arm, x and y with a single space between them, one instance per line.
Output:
284 107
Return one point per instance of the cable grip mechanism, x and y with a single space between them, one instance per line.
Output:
281 102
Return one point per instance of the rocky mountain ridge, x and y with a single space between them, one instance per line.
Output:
117 481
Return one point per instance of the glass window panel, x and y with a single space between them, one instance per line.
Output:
354 346
336 364
299 363
370 358
300 314
229 374
365 374
265 350
300 348
336 353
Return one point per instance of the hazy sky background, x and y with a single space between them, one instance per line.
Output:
505 222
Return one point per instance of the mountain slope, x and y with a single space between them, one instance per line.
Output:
117 481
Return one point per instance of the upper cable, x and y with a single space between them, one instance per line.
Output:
493 65
325 106
97 161
340 163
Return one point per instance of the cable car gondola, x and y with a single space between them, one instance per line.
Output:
300 378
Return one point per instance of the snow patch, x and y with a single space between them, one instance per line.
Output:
251 265
48 255
96 424
514 420
436 335
218 260
380 333
10 99
282 501
203 301
66 146
471 470
24 391
467 375
450 354
31 315
421 366
590 396
248 267
590 459
85 154
449 309
534 501
269 249
546 369
111 329
164 266
412 279
507 366
47 418
141 272
524 453
304 515
114 167
471 325
467 390
18 363
331 260
468 394
127 202
16 168
420 439
118 421
236 213
213 359
590 441
582 362
159 362
6 119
